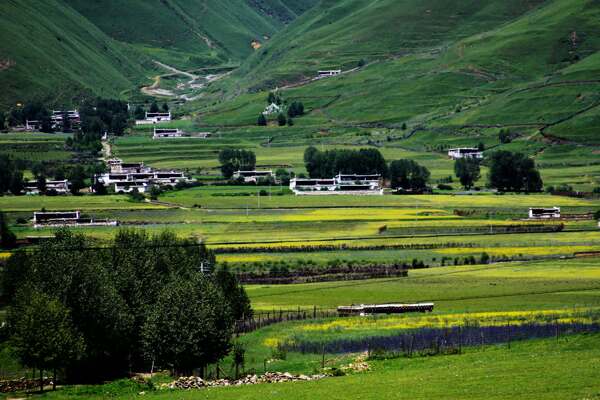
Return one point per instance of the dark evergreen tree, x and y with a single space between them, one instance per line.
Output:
513 172
408 175
281 119
154 107
262 120
233 160
468 171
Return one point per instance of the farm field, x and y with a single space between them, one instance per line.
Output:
515 293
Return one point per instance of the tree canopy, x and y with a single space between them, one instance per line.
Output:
233 160
467 170
326 164
408 175
127 303
514 172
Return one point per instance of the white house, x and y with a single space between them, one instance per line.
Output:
55 217
60 187
253 176
329 72
165 133
272 109
340 184
153 118
158 116
465 152
58 115
66 218
544 213
32 125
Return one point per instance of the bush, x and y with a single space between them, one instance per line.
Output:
443 186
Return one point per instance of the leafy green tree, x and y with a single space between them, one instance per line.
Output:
283 176
408 175
237 299
331 162
504 136
43 333
271 98
262 120
189 325
154 192
139 112
281 119
513 172
99 188
11 176
77 178
468 171
165 107
154 107
233 160
2 120
8 239
41 183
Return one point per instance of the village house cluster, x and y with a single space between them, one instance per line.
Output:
57 121
127 177
340 184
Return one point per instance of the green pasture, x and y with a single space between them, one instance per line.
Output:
539 285
33 146
248 197
32 203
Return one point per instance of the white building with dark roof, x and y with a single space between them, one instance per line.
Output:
340 184
465 152
544 213
253 176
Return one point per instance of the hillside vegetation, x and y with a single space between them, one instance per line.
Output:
50 52
451 70
59 50
188 32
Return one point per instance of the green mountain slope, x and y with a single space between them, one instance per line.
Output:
451 70
191 32
50 52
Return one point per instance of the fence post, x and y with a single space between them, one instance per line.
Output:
323 356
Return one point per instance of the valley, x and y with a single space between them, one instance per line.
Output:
195 188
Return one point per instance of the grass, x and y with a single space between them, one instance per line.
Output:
86 202
496 287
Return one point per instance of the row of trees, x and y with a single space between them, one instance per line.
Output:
233 160
326 164
99 313
508 171
140 111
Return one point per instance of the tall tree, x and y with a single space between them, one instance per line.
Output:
468 171
233 160
262 120
408 175
43 334
77 178
154 107
513 172
139 112
8 239
237 298
189 326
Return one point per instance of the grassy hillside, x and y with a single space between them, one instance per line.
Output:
188 32
454 71
51 52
